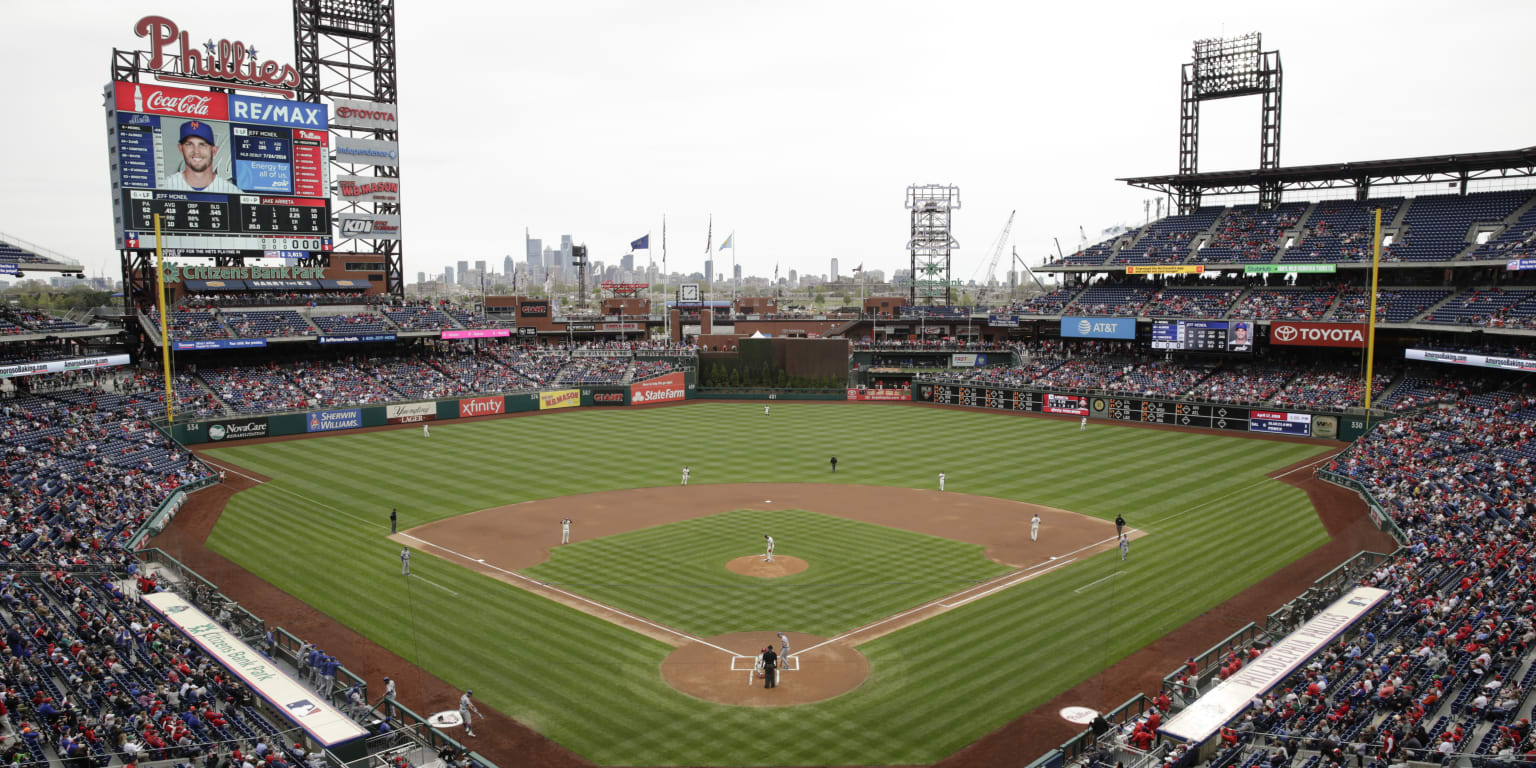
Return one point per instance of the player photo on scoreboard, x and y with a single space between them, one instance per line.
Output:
196 156
1240 337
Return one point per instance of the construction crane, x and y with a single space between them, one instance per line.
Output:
997 253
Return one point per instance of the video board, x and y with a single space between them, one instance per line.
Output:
228 173
1203 335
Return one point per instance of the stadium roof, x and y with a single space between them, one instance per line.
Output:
1462 168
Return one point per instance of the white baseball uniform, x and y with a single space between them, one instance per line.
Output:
941 481
685 475
1034 528
405 561
426 430
465 707
765 410
1125 546
1084 425
768 556
565 531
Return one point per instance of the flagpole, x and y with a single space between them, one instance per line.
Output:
666 286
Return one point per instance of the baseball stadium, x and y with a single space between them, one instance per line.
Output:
1246 485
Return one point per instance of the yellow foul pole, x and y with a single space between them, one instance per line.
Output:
165 340
1370 328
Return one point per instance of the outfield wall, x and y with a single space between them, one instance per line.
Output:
1148 410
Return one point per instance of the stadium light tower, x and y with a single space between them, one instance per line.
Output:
931 241
1225 68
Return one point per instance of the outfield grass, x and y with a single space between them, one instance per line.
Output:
318 531
675 573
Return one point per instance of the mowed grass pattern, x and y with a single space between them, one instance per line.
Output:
857 573
1217 526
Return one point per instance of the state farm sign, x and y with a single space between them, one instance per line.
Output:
1288 334
665 389
482 406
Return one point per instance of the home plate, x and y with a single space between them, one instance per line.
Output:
767 501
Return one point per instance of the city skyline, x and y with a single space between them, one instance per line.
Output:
797 142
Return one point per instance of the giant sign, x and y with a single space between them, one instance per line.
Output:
1098 327
662 389
1290 334
533 309
224 171
321 721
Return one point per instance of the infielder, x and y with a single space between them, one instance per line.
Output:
768 556
1034 527
426 430
1125 546
405 561
685 475
465 707
565 531
941 481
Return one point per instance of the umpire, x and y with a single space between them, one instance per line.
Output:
770 668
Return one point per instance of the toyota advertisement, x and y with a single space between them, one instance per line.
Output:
1289 334
664 389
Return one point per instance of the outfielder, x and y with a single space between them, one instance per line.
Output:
685 475
768 556
565 530
1034 527
1125 546
765 410
426 430
465 707
941 481
1083 426
405 561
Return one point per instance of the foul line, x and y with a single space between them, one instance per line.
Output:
1246 488
435 584
1079 590
572 595
1019 580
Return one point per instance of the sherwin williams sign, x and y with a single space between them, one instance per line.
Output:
326 421
1098 327
563 398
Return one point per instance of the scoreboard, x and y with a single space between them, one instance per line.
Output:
1202 335
228 173
1008 399
1205 415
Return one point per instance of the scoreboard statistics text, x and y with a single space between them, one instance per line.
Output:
1205 415
226 172
1203 335
1009 399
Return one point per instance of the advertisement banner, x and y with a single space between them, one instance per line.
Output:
1457 358
608 398
527 332
621 326
320 720
361 338
368 226
8 268
1301 269
196 344
533 309
879 394
560 398
368 189
1165 269
328 421
356 113
1231 697
225 430
664 389
410 413
57 366
962 361
1520 264
1289 334
367 151
1003 321
1098 327
482 406
1280 423
1069 404
479 333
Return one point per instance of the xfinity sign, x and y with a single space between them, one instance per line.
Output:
1288 334
1098 327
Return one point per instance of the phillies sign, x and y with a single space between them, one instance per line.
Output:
1289 334
227 61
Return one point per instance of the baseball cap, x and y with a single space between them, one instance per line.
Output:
196 128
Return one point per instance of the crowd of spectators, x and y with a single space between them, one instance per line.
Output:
1285 304
281 299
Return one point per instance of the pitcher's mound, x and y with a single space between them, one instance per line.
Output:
710 674
753 565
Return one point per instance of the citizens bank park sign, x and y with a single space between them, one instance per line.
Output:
1288 334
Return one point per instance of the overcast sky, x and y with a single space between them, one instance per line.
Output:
799 125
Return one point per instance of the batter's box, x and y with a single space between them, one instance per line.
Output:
748 664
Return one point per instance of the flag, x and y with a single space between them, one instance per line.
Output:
709 242
859 268
644 243
727 243
775 272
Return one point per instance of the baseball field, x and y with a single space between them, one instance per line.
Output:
505 610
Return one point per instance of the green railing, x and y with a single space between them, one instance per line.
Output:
1209 661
